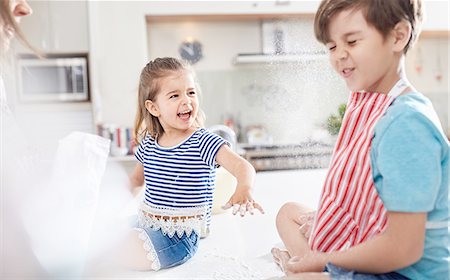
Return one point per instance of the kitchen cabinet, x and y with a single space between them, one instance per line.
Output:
57 27
253 37
436 16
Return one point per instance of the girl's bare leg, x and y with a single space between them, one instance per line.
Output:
129 253
288 226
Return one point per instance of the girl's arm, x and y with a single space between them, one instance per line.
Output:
399 246
244 173
137 178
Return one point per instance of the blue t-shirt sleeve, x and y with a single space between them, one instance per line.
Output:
408 158
140 151
210 144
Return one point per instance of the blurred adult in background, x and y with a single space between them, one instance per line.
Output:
47 204
16 258
11 11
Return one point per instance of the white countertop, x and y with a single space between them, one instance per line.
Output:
239 248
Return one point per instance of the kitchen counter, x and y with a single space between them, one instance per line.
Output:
239 248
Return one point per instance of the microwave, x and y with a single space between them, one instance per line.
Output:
54 78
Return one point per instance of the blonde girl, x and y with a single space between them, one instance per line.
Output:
177 162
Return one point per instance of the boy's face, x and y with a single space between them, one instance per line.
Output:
360 54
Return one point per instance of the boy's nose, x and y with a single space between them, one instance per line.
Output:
342 53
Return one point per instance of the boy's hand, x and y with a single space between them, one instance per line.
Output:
306 223
241 201
310 262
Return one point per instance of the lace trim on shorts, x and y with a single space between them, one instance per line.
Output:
148 247
172 220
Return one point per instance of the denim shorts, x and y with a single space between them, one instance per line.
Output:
165 251
338 273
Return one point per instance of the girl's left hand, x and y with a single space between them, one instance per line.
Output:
242 202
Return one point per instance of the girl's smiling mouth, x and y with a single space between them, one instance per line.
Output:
185 115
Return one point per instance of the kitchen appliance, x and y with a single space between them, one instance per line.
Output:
61 78
288 156
226 133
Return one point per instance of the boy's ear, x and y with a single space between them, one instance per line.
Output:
402 34
152 108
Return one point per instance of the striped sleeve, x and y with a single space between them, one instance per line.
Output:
210 144
139 154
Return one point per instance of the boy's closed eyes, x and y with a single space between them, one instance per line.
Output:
349 40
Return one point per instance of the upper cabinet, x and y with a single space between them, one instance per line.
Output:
229 7
436 16
57 26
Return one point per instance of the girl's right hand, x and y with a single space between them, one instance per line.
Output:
242 202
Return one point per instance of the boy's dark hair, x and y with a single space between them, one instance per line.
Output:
381 14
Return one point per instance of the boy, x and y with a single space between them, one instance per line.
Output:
383 213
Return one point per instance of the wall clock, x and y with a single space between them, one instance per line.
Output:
191 51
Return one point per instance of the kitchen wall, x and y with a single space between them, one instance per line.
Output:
291 100
427 66
120 46
119 41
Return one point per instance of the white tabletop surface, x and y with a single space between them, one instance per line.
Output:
239 248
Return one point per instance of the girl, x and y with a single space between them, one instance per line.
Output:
177 161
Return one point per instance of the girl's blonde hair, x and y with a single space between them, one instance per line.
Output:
149 86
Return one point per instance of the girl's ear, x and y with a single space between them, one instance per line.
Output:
152 108
402 35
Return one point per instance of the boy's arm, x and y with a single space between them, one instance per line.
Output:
399 246
244 173
136 178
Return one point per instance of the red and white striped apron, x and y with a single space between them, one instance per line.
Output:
350 210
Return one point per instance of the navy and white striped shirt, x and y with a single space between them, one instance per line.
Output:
180 180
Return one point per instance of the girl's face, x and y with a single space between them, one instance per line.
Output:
360 54
19 9
176 103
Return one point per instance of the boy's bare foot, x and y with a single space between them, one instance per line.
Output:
281 257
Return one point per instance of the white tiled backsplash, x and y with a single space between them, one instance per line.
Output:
290 100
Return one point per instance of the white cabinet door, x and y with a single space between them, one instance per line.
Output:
69 26
36 27
57 26
436 16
